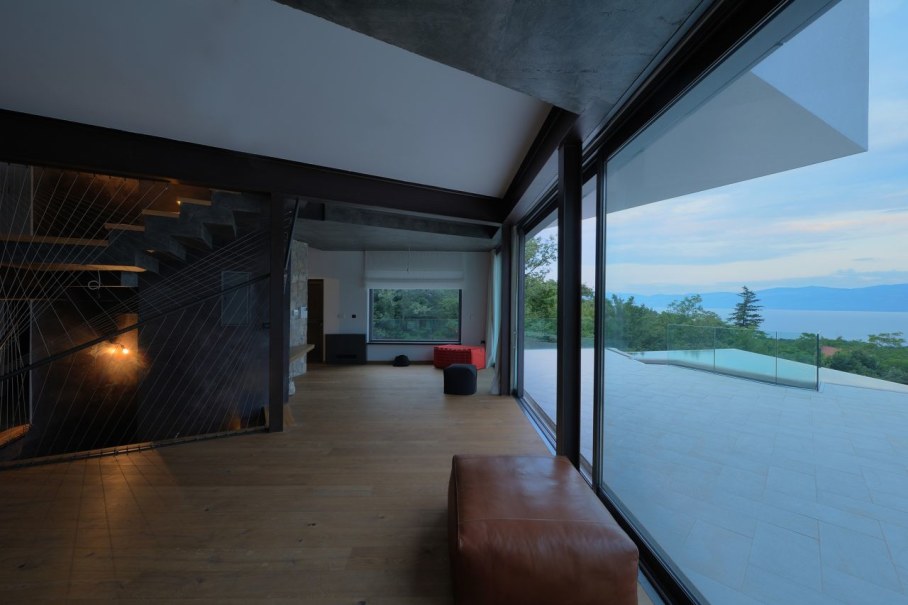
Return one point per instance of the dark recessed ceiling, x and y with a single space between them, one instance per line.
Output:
574 54
341 227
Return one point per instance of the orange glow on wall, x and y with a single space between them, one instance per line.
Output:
119 360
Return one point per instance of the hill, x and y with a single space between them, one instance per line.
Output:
813 298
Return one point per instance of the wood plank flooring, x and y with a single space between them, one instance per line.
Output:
346 507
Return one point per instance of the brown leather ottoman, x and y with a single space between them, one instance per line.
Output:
529 530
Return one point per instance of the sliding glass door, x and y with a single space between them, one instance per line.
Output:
540 331
736 223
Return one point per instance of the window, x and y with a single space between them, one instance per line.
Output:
540 321
756 492
428 315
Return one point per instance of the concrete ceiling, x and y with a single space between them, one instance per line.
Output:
259 77
433 92
576 54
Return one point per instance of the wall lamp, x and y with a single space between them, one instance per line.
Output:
116 347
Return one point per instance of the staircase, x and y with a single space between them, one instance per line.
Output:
130 249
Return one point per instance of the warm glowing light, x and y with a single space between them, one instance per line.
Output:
116 347
179 203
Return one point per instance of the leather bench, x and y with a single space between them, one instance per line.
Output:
529 530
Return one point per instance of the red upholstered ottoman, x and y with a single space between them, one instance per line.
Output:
445 355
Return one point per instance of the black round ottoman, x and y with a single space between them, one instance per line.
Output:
460 379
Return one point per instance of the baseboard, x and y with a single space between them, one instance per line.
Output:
413 362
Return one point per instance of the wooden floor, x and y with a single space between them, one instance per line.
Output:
346 507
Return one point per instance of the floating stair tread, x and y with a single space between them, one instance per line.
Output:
123 227
47 239
186 200
14 433
73 267
164 213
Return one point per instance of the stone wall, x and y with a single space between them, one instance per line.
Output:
299 300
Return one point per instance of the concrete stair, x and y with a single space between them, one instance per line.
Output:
133 248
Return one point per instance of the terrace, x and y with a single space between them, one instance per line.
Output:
759 493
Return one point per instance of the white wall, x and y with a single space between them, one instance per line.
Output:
347 300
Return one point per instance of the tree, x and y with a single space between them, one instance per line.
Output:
856 362
887 339
540 253
746 313
540 292
689 310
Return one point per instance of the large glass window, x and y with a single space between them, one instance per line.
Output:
428 315
741 224
540 320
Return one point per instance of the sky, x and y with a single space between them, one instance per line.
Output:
841 223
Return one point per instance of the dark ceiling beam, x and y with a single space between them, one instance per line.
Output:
30 139
341 213
558 124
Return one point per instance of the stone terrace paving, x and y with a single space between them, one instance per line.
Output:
761 494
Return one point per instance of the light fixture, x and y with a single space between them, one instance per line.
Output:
116 347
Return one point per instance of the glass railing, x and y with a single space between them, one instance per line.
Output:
776 357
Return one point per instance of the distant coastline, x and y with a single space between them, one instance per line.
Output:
884 299
849 325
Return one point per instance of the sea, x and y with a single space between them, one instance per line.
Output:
850 325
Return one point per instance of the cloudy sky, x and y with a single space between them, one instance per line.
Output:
842 223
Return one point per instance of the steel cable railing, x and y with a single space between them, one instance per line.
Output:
181 354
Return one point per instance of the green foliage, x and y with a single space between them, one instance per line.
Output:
746 313
685 324
429 315
540 293
883 356
887 339
632 327
540 254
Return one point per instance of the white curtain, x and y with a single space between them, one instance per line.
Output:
493 319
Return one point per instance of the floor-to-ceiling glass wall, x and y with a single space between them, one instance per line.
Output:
759 225
540 320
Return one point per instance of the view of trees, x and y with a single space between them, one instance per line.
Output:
884 356
635 327
428 315
540 292
746 313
